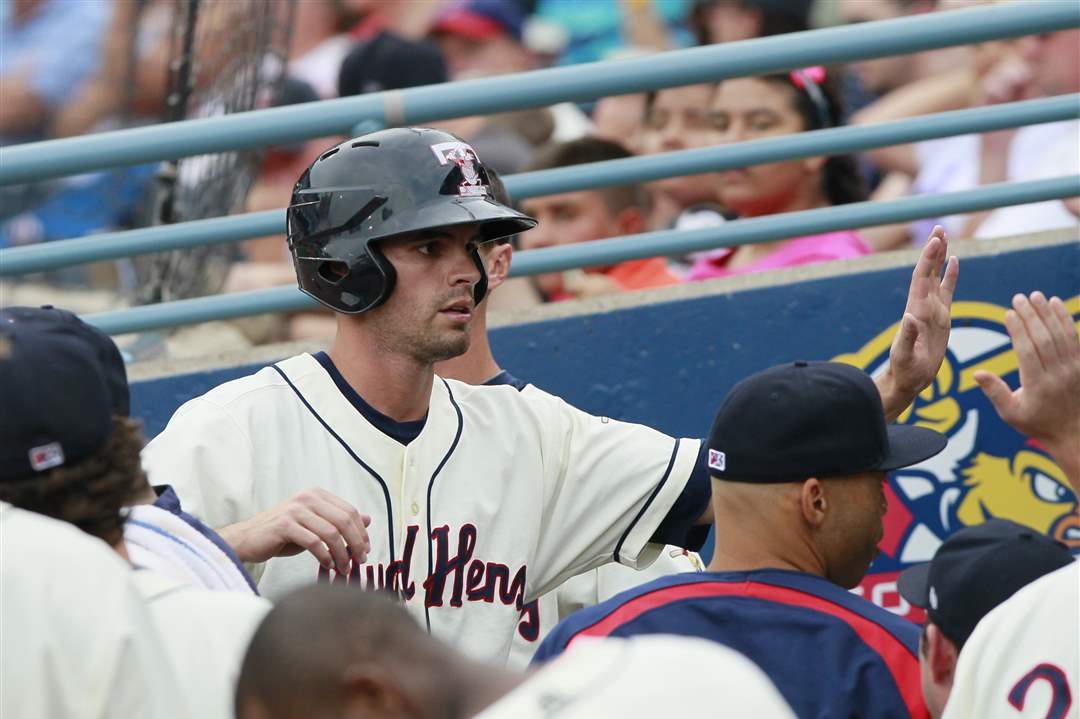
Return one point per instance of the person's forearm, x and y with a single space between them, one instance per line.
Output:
1066 453
893 401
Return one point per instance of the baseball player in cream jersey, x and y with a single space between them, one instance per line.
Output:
361 466
1023 658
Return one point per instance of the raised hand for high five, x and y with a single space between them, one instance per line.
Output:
1046 406
919 346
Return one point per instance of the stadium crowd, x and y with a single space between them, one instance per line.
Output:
214 572
348 47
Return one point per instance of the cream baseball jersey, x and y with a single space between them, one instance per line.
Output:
1023 659
499 498
205 633
645 676
76 638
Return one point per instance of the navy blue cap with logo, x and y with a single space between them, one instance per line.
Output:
976 569
810 419
61 382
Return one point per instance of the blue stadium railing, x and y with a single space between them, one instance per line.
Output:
54 158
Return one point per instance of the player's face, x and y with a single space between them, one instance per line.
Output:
752 109
856 507
428 315
564 220
678 119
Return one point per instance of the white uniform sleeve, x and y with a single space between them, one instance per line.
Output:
603 583
75 634
208 459
608 487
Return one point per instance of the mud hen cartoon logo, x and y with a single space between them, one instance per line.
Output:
987 470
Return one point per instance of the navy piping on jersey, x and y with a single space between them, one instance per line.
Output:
431 485
403 432
347 448
649 501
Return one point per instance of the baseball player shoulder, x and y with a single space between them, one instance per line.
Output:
643 676
1024 652
594 620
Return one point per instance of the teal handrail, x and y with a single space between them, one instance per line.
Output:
55 158
113 245
606 252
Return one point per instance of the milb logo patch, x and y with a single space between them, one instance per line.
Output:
717 460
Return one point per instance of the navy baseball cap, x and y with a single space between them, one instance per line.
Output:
810 419
480 19
61 382
975 570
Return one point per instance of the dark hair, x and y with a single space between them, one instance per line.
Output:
91 493
778 17
593 149
842 180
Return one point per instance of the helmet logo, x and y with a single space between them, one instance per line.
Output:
465 158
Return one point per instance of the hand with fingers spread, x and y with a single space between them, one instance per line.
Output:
1046 406
919 346
313 520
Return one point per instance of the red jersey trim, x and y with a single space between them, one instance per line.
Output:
903 666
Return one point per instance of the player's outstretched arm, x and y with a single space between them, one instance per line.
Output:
919 346
314 520
1046 406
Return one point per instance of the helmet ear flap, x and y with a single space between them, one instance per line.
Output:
480 289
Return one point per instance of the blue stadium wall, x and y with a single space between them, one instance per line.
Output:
668 364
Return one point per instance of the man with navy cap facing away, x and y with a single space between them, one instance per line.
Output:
798 456
974 571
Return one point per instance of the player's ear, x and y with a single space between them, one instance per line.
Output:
813 501
371 691
941 653
498 264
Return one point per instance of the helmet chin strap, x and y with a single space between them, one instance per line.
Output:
480 289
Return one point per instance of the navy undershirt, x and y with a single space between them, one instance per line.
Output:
505 377
403 432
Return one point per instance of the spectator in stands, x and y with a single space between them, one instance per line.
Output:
677 118
716 21
482 38
769 106
879 76
975 570
333 652
71 452
604 29
996 72
587 215
38 41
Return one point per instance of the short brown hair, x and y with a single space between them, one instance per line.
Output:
91 493
593 149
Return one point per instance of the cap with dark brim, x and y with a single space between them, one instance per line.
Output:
910 445
914 585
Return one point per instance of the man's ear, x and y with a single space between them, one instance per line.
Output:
813 502
942 655
371 691
498 264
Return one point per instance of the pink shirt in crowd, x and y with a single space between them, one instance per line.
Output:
798 251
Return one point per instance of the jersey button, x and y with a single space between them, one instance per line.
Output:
415 508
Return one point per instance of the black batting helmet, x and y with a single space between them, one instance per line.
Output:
383 184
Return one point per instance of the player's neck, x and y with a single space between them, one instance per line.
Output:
394 384
477 365
743 546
